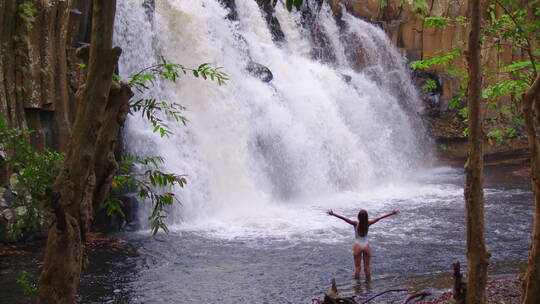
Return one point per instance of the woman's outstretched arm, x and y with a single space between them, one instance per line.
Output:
330 212
393 212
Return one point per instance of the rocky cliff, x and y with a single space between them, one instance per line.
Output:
403 20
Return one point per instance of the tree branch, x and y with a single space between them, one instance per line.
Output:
520 29
381 293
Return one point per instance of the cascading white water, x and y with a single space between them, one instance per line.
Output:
266 158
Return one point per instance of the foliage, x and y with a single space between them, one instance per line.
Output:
513 28
34 171
457 100
436 21
444 147
167 70
150 108
500 136
27 12
445 21
504 88
430 85
24 280
420 7
508 27
289 4
146 182
446 60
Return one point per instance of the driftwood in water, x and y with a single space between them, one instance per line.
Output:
421 295
381 293
460 289
333 297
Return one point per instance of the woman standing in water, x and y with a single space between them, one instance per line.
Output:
361 249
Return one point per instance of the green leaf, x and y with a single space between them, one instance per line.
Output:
516 66
436 21
117 78
289 4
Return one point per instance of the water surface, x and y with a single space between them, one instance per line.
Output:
413 250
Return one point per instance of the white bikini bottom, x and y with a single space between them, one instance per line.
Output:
362 242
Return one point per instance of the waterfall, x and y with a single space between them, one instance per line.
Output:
339 118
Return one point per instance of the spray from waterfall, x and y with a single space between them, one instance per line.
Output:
313 112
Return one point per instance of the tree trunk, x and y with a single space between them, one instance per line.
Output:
531 282
71 199
477 256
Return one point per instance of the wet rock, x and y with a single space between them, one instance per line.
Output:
7 214
430 90
20 211
231 6
322 49
355 52
116 222
13 180
7 198
150 7
260 71
267 7
130 206
3 203
346 77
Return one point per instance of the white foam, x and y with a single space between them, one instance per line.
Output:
266 160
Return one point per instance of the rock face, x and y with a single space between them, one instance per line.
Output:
403 21
38 68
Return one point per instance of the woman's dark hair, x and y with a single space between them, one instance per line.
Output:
363 223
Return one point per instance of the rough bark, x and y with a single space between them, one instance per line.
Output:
477 256
71 198
106 165
531 282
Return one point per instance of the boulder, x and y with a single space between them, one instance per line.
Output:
6 197
20 211
346 78
260 71
8 215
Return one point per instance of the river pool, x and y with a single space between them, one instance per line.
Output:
241 263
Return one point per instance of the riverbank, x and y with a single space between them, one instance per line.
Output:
21 263
507 291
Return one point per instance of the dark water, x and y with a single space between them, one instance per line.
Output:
414 251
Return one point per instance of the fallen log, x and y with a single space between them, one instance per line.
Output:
333 297
420 295
381 293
